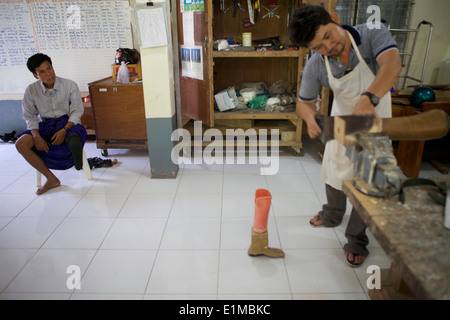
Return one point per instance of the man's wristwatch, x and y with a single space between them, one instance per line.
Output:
373 97
67 130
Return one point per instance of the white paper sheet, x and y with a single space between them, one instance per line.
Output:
152 27
188 28
192 62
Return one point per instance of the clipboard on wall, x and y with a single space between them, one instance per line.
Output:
151 24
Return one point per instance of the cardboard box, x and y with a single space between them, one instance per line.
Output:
226 99
135 71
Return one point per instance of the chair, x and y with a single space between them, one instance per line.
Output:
86 169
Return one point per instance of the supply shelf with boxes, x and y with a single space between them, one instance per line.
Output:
269 61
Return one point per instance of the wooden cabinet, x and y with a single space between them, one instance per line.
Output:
87 119
222 69
119 115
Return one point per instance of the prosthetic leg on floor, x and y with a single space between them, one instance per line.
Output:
260 237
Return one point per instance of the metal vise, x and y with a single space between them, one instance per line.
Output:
375 167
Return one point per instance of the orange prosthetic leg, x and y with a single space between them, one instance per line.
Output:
260 237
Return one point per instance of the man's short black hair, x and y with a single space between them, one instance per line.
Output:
36 60
304 23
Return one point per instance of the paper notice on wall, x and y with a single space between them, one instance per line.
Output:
192 5
152 27
192 62
188 28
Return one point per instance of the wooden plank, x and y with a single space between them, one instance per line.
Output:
292 144
443 105
408 153
257 54
184 120
234 123
388 290
121 144
439 166
255 114
280 125
409 157
412 235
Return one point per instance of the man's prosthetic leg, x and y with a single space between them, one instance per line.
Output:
76 148
260 237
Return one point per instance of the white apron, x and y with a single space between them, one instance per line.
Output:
347 90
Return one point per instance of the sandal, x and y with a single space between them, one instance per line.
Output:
316 225
96 162
353 264
9 137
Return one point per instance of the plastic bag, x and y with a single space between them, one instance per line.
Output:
123 75
259 87
279 87
273 101
248 94
258 102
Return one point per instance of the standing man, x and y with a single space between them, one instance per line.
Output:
52 108
360 65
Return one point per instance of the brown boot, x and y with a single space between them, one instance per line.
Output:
260 246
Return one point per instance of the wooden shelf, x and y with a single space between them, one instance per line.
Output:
222 69
255 114
257 54
269 125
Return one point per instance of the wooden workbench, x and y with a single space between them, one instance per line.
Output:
413 236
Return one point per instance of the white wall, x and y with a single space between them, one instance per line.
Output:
437 12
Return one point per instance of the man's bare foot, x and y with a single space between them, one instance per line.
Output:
315 221
49 184
355 260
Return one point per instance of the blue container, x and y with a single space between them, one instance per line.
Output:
422 94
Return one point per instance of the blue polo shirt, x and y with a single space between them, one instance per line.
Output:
371 43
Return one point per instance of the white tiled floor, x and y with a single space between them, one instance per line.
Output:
134 237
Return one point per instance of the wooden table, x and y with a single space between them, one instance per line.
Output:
413 236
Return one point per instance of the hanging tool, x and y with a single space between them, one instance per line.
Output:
289 12
256 6
271 12
222 6
251 15
237 3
